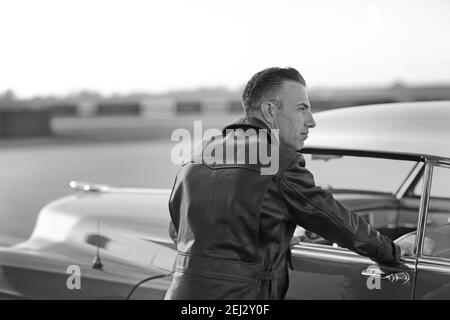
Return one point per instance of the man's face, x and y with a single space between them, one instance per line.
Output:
294 118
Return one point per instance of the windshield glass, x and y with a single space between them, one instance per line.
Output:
358 173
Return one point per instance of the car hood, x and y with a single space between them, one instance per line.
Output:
128 229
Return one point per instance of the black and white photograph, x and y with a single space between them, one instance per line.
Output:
224 153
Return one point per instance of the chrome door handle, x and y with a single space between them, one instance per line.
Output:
376 273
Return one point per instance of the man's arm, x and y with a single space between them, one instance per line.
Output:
316 210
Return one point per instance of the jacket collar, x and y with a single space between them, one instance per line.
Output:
247 122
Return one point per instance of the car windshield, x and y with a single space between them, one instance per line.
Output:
358 173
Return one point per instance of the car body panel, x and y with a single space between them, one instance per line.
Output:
433 279
339 271
66 234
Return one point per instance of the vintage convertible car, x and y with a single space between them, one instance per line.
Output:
389 163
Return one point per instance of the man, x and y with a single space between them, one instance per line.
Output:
235 224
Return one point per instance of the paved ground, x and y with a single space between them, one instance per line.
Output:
123 151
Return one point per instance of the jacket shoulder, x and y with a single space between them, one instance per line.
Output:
290 161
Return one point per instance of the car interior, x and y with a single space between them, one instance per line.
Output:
398 219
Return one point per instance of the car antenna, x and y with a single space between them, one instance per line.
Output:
97 261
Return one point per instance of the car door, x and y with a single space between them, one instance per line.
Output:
321 272
325 271
433 267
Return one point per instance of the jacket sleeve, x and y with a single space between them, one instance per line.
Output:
316 210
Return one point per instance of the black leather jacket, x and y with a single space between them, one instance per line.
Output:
235 225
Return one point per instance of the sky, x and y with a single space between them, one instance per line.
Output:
122 46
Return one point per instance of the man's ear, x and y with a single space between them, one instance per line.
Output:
268 111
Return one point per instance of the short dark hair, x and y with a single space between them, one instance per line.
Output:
266 83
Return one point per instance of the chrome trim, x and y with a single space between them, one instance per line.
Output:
432 268
433 265
436 261
323 252
103 188
443 163
334 257
400 193
423 209
323 248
